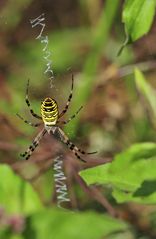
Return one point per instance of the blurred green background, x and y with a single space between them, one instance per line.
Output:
117 92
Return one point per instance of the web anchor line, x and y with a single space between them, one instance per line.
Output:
40 21
60 182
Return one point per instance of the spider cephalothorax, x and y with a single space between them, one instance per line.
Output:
50 117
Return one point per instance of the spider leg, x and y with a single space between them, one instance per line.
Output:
70 145
28 122
34 144
69 99
28 103
72 117
78 156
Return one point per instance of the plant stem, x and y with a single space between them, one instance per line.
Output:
88 76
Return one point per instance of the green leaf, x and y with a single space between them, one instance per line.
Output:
146 89
138 16
64 224
131 175
17 196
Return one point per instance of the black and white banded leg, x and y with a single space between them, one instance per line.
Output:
28 103
34 144
28 122
72 117
69 99
70 145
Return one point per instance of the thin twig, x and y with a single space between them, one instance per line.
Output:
95 193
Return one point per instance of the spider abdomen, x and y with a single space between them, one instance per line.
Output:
49 111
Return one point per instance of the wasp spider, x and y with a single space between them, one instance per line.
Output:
50 116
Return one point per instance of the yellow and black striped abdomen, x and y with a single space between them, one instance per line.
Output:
49 111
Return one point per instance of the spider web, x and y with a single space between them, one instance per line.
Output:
40 22
60 178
